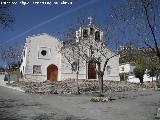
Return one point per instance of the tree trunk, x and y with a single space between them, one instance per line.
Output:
157 82
77 83
152 82
124 77
9 75
141 81
101 84
9 78
100 78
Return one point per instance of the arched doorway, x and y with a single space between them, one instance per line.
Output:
92 70
52 72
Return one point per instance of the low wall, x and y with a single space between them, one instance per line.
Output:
1 76
146 78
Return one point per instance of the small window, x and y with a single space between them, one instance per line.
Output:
74 66
108 68
122 69
97 36
36 69
91 31
85 33
43 52
64 43
24 53
21 60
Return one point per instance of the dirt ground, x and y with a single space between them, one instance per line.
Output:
15 105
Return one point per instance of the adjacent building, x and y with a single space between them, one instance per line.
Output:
127 64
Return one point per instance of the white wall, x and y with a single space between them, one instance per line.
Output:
2 76
33 56
114 69
83 72
146 78
24 56
66 70
126 68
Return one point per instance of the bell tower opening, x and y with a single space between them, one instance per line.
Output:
97 36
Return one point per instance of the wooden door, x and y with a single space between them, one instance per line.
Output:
52 72
92 70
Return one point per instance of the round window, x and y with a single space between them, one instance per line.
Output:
43 52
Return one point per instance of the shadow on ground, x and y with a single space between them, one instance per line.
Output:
10 108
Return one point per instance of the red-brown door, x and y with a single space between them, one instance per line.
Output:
52 72
92 70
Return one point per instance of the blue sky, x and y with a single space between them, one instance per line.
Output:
34 19
29 16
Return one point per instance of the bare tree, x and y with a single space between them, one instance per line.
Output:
141 19
10 56
90 50
98 53
6 17
70 53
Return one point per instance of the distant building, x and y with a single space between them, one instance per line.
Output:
41 59
127 65
2 70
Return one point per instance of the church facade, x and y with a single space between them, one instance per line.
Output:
42 59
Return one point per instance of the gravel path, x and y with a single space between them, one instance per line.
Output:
15 105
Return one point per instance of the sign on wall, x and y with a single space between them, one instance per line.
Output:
36 69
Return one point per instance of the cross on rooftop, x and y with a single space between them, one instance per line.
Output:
90 20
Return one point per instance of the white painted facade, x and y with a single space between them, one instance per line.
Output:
146 78
128 68
33 58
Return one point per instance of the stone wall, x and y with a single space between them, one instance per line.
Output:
70 87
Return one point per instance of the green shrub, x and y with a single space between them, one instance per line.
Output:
52 88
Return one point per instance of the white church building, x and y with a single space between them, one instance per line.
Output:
41 59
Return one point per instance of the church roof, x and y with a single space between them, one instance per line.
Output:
42 34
